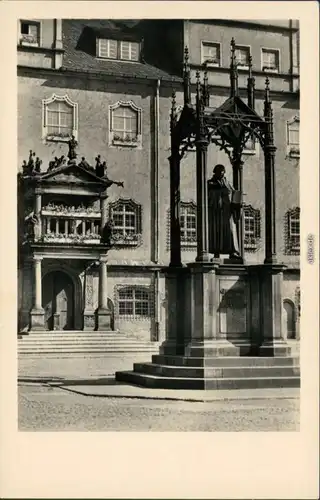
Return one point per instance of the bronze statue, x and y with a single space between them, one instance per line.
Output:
99 167
223 215
85 164
107 232
37 167
72 155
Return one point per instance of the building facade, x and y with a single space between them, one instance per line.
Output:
109 85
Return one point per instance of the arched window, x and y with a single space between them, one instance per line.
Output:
293 231
126 217
125 124
134 302
289 320
60 117
293 140
252 228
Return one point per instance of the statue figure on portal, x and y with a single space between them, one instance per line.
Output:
223 214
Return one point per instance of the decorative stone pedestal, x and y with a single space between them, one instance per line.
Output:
218 332
103 319
36 320
89 321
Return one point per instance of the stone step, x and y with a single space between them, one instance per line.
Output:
221 372
152 381
86 349
88 341
225 361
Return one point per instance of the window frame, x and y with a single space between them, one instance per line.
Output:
293 240
118 50
293 150
247 47
26 43
56 137
269 70
114 140
134 239
134 288
211 64
185 242
252 243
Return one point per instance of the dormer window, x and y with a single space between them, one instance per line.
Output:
118 49
29 33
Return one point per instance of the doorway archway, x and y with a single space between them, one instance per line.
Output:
58 301
289 320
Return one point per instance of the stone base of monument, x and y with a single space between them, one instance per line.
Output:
223 331
217 372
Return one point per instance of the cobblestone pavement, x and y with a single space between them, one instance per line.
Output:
43 408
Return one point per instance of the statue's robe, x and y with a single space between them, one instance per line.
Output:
223 237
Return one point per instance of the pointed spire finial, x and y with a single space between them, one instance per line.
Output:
186 55
233 70
186 77
251 86
205 89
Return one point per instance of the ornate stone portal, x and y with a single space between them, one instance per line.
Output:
220 308
63 216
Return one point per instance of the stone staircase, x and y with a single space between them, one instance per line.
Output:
227 372
73 343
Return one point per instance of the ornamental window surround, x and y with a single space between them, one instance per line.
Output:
252 228
270 60
29 33
127 224
293 137
125 124
242 54
60 118
118 49
293 231
211 53
134 302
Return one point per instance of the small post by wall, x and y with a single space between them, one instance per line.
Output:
37 312
103 313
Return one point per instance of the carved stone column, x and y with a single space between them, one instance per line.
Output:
37 212
88 314
270 203
175 235
202 202
103 313
37 312
103 209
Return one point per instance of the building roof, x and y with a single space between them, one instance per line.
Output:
79 42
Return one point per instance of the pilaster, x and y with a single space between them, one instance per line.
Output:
103 313
37 312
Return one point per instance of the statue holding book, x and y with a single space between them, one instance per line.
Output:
224 206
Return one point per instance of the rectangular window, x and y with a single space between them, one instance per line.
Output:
124 123
134 302
242 57
211 53
108 49
29 33
59 119
118 49
270 60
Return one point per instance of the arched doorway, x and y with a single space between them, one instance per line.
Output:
58 301
289 322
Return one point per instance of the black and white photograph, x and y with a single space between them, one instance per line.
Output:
158 287
159 225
